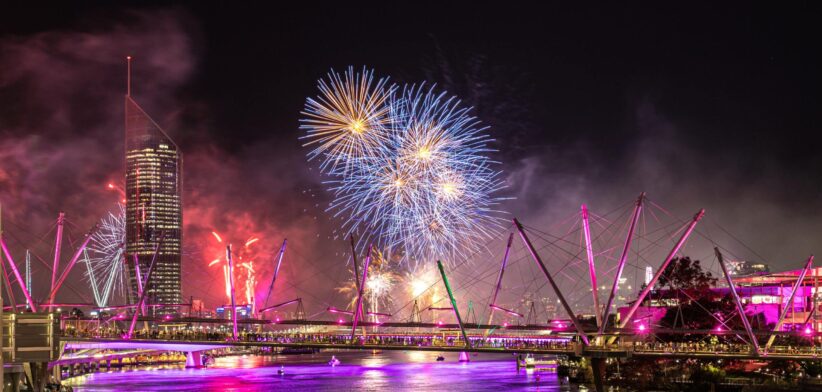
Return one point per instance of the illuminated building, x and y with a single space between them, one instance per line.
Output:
763 295
746 268
243 312
153 207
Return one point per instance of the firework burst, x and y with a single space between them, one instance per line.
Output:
244 273
422 283
421 183
423 286
349 119
104 257
378 286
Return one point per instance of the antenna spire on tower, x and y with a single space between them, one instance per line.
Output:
128 76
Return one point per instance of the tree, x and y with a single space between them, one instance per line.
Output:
706 374
697 306
76 313
687 275
640 374
811 368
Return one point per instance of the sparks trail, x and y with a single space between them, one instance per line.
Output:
244 271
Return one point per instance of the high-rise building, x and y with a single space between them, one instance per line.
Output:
154 216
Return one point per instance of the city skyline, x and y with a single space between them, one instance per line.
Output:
245 161
395 196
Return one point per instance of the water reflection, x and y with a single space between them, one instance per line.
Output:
389 370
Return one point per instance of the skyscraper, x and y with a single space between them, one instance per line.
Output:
154 214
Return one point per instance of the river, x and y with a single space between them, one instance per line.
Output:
361 371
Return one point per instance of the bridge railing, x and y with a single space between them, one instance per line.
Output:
343 340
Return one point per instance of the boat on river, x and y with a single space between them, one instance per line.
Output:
547 363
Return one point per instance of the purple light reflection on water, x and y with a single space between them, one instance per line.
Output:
385 371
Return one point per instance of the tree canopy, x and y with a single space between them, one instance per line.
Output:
687 275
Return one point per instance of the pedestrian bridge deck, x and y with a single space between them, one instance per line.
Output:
415 343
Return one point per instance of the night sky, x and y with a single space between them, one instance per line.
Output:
703 106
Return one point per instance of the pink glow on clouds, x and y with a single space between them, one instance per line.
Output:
62 145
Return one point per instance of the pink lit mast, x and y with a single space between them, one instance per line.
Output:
142 300
502 269
281 304
71 263
739 308
557 291
586 228
7 288
5 282
354 261
622 259
231 283
789 304
276 272
358 306
57 247
17 275
689 227
7 285
493 304
139 279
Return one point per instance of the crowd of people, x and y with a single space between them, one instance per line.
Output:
510 343
411 339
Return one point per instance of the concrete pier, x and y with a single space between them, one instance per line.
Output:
194 359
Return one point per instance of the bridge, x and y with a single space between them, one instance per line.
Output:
584 318
510 344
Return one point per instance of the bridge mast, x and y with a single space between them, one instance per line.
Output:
689 228
493 304
70 265
57 247
356 267
276 272
358 307
789 305
231 282
561 298
146 286
139 279
622 259
589 251
739 308
454 305
17 275
7 284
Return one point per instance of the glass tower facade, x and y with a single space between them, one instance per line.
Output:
154 215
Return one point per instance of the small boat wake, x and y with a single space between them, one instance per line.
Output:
334 361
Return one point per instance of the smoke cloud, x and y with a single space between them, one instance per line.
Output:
61 121
61 142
